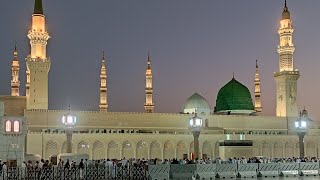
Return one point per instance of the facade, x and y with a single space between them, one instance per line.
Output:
15 67
287 77
257 91
38 64
103 86
101 134
12 138
149 105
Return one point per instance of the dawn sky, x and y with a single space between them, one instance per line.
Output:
195 46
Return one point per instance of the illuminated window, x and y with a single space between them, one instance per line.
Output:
16 126
8 126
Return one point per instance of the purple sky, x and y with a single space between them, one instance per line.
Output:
195 47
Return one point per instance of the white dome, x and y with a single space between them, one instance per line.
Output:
196 102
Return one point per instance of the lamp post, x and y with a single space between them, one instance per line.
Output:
195 126
69 121
301 128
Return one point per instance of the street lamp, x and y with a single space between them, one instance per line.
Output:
195 126
69 121
301 126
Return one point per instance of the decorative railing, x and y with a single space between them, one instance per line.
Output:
134 172
163 172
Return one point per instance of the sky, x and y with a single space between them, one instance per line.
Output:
195 46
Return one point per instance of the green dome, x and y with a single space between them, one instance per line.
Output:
196 101
234 96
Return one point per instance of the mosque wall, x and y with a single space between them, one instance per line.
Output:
14 105
46 119
100 146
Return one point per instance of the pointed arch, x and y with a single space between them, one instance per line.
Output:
142 150
127 149
51 148
64 147
8 126
311 149
113 150
182 150
16 126
155 150
278 150
266 149
98 151
207 150
168 150
83 147
289 149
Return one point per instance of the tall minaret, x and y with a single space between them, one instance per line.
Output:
286 78
103 86
15 83
149 105
38 64
257 90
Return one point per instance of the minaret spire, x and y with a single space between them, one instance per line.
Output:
285 3
103 86
287 76
15 82
38 64
257 91
149 105
38 8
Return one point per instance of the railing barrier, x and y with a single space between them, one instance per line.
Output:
182 172
226 170
247 170
309 168
205 171
268 170
159 172
289 169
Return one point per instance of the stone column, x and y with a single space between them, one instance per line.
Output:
91 153
106 154
162 153
196 135
301 143
134 153
69 139
175 152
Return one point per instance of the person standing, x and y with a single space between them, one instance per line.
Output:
81 167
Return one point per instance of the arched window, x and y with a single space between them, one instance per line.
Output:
8 126
16 126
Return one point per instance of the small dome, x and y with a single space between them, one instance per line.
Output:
234 97
196 102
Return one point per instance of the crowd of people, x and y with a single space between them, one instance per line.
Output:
234 160
112 166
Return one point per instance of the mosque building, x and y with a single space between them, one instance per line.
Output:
103 134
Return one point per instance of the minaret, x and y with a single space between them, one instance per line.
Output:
286 78
38 64
257 91
149 105
103 86
15 83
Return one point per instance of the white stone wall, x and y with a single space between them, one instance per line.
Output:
101 146
12 145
